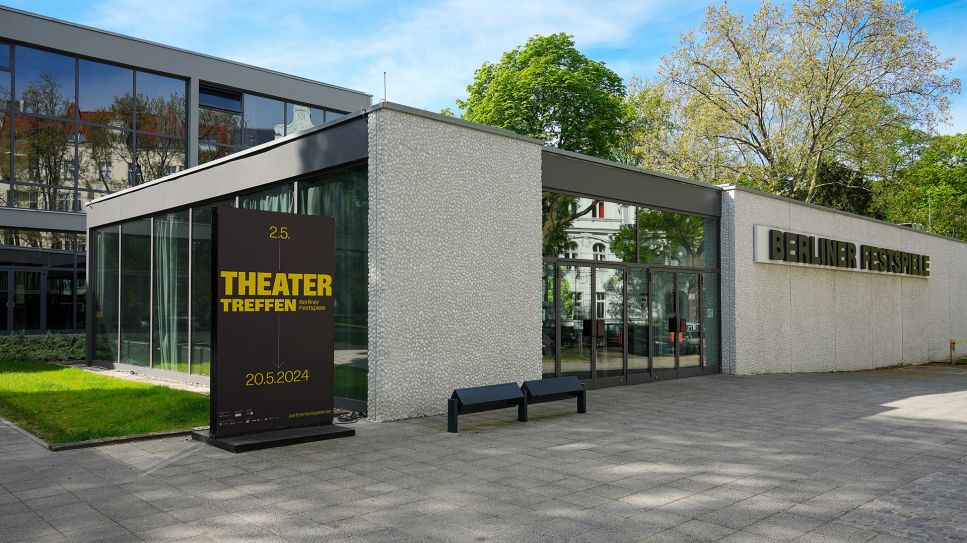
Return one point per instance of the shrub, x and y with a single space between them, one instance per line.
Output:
42 347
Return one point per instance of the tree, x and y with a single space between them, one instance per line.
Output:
662 237
930 187
44 149
546 89
767 103
843 188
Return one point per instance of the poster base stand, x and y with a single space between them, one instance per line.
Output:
273 438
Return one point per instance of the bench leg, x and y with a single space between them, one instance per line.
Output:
522 411
452 406
582 402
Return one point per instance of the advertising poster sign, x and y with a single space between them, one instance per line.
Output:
273 312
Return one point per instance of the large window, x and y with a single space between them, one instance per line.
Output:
344 195
161 267
590 229
135 292
169 338
637 291
83 128
229 121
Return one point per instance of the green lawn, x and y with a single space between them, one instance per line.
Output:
61 404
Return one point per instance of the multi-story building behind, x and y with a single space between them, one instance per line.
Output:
84 113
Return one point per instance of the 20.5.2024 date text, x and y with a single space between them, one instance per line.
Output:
279 377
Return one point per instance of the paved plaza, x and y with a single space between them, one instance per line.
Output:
870 456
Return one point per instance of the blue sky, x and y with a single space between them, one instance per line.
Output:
430 49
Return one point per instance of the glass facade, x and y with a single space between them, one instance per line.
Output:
635 291
152 290
75 129
229 121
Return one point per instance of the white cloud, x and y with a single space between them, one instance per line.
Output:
429 50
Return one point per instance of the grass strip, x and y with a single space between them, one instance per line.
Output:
62 404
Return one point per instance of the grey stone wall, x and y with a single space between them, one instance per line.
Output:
801 319
454 262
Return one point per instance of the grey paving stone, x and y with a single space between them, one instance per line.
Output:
876 456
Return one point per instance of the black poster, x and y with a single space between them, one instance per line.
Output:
273 359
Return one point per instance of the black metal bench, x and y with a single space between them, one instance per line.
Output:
558 388
486 398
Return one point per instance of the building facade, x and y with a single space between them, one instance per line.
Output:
85 113
432 296
441 246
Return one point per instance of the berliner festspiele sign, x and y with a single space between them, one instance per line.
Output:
777 246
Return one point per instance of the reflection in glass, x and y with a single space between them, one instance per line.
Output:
60 300
671 239
81 299
575 291
201 286
299 118
44 82
4 60
208 153
5 87
158 157
106 293
344 195
275 198
105 158
220 99
105 94
135 291
689 311
44 154
161 104
84 197
26 300
4 298
4 155
216 127
549 328
637 320
609 321
169 341
262 116
587 229
40 239
710 320
664 321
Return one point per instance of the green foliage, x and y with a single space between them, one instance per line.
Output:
547 89
930 186
792 99
843 188
62 404
665 237
48 347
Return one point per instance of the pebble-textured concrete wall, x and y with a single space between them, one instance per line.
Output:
454 262
802 319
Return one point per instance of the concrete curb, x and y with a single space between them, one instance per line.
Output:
117 440
56 447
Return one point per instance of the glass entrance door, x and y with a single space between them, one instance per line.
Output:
638 329
664 322
609 322
676 312
689 313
